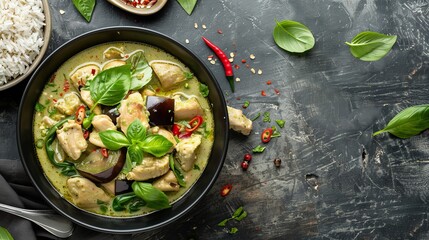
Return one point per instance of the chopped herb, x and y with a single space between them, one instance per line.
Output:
280 122
258 149
223 223
275 132
188 75
102 205
187 85
51 84
196 167
246 104
233 230
242 216
204 90
238 215
39 107
266 117
203 130
256 117
56 90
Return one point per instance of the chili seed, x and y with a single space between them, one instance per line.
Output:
195 25
253 70
252 56
237 79
187 41
231 54
244 165
219 31
259 71
247 157
231 59
213 62
204 26
277 162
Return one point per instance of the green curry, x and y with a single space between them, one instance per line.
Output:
123 129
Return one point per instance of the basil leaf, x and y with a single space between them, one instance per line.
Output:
141 72
85 8
110 86
293 36
258 149
136 204
204 90
179 176
223 223
409 122
136 131
156 145
120 201
281 123
237 212
233 230
39 107
153 197
128 166
135 154
4 234
113 140
241 216
187 5
371 46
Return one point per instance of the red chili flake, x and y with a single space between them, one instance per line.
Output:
243 61
157 89
54 100
104 152
236 66
127 56
276 91
210 56
86 134
247 65
61 94
263 93
244 165
269 82
219 31
225 190
93 71
66 85
238 98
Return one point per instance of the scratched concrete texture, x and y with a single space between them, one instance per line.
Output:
336 181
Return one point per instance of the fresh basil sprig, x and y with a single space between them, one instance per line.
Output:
85 8
187 5
137 142
293 36
110 86
371 46
153 197
409 122
141 72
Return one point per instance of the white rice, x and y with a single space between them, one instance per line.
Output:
21 36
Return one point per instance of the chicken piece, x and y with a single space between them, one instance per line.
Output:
186 110
85 193
100 123
49 122
150 167
113 63
86 98
148 92
81 75
131 109
167 183
68 104
186 149
238 122
169 75
113 53
71 139
165 133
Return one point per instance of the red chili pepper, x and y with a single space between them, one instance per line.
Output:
225 190
195 123
175 129
185 134
104 152
266 135
86 134
80 114
225 61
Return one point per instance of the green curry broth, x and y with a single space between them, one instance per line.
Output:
54 90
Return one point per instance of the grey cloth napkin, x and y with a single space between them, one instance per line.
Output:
17 190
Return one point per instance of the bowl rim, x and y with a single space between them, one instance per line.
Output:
139 11
54 200
46 38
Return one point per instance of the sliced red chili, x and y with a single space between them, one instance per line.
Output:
225 190
80 114
195 123
266 135
104 152
93 71
185 134
176 129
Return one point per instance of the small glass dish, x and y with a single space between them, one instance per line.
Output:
137 9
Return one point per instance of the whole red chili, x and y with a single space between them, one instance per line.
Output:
104 152
195 123
225 190
225 62
80 114
266 135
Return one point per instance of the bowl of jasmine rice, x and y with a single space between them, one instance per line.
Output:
25 31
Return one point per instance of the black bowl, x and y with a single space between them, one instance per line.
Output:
109 224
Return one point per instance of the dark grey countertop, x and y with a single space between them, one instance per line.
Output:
368 187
